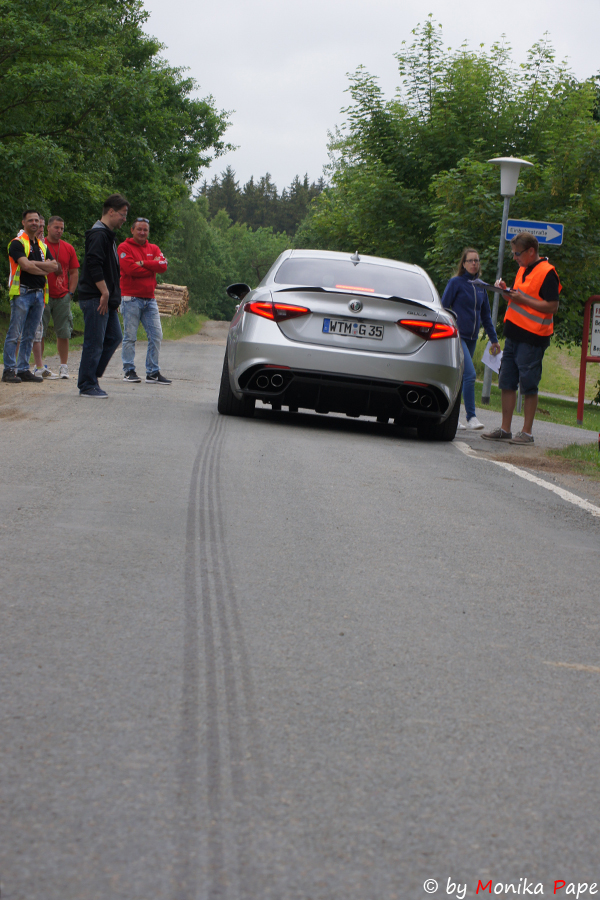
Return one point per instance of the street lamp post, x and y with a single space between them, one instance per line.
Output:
509 175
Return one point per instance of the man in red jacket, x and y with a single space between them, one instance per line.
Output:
140 261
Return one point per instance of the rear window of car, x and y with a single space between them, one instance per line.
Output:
364 277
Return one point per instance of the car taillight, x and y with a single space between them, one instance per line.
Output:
279 312
429 331
260 308
285 311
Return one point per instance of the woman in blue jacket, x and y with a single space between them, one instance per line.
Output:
471 306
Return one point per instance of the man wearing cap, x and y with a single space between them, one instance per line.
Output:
140 261
528 327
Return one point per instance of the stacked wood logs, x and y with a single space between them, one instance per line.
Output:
172 299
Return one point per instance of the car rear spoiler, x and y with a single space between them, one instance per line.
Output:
323 290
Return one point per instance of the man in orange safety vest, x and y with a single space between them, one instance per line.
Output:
528 326
28 290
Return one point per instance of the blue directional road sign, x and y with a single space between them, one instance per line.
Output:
545 232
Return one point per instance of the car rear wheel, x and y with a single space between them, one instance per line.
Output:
228 404
441 431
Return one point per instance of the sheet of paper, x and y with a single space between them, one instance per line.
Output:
492 362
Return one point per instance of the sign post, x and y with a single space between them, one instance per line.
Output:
591 311
509 175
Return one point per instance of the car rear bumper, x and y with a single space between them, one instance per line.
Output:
332 379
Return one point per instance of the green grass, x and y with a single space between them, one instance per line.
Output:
177 327
584 458
562 412
174 328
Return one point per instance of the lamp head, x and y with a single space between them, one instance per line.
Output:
510 167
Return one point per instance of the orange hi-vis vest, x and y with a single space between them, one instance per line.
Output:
14 276
524 316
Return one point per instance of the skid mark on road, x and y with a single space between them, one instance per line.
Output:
579 667
222 770
522 473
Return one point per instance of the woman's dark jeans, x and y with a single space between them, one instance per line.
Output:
101 337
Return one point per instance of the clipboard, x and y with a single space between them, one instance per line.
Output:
492 287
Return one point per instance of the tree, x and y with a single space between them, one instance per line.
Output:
223 193
259 204
88 107
208 254
200 259
294 203
409 178
253 251
563 186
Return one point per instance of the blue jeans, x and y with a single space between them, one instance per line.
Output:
101 337
468 384
135 311
25 315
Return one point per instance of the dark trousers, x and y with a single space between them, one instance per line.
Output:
101 337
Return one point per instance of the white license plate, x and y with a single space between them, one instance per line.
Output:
353 329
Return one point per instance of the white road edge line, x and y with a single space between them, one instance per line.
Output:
565 495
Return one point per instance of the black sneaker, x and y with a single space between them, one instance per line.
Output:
130 375
9 376
27 375
95 393
157 378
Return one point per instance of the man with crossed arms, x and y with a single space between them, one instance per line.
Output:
140 261
28 289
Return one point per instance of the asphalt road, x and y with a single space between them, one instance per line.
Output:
294 657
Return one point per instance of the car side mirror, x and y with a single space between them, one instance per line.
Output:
238 291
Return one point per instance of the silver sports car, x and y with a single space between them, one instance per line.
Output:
354 334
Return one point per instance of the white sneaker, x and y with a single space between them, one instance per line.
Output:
63 371
460 427
474 424
44 372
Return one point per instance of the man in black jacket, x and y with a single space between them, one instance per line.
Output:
100 296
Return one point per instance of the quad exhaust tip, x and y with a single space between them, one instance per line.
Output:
262 381
276 380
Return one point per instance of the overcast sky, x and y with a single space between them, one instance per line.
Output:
281 66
